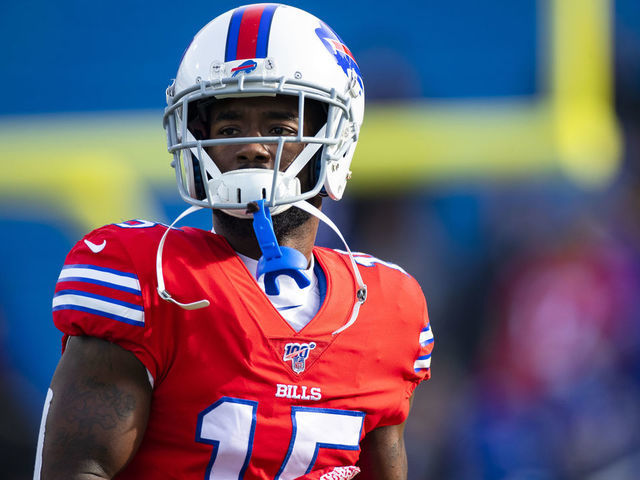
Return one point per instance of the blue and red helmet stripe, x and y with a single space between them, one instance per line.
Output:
248 35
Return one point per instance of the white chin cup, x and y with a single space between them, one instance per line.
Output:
249 185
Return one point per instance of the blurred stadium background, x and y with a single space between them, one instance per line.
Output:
499 163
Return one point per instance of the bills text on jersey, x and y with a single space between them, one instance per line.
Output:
298 392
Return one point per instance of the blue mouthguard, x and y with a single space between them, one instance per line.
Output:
276 260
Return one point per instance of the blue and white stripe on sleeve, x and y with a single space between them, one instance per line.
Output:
423 361
100 291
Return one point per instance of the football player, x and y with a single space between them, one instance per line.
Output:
244 352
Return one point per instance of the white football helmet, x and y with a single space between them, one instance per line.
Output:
257 50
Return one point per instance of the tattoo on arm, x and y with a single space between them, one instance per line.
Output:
97 414
90 403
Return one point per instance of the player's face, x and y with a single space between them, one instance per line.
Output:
258 117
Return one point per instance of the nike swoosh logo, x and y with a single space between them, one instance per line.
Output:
280 309
96 248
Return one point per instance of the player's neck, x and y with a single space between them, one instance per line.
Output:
239 233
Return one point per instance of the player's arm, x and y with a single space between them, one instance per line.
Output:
383 455
98 412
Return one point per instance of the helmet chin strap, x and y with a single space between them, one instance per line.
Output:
275 260
361 291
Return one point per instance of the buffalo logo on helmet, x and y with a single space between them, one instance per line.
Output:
298 354
244 68
339 50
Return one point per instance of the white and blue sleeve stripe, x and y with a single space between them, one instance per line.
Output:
99 305
425 340
120 297
426 336
423 362
107 277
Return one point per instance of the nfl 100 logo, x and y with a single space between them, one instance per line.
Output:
298 354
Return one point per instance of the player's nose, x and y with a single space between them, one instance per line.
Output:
254 155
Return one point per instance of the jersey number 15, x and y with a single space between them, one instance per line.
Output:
229 425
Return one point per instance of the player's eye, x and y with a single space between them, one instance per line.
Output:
227 131
281 130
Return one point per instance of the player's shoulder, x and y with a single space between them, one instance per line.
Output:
369 261
374 269
114 248
127 231
140 234
139 240
126 253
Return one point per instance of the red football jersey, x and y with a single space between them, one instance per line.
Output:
237 393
